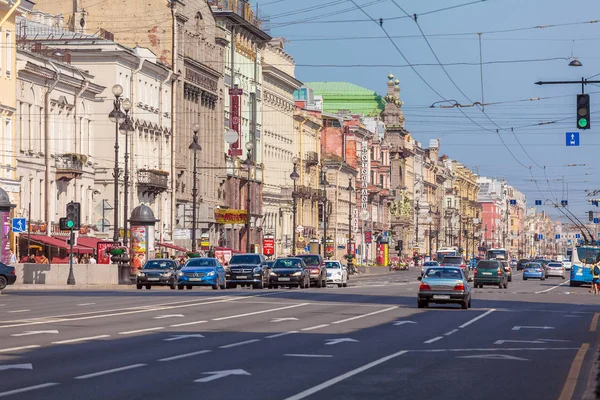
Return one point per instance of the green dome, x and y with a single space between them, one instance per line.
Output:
348 96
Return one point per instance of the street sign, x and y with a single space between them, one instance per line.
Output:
572 139
299 229
540 236
538 202
513 202
564 202
19 225
597 220
557 236
236 91
577 236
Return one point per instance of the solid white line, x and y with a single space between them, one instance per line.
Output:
477 318
259 312
110 371
185 355
280 335
364 315
158 328
345 376
28 389
496 349
17 311
451 332
227 346
187 323
85 304
309 355
81 339
311 328
435 339
31 346
553 287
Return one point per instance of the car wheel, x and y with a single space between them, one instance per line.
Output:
179 287
524 278
224 285
138 286
345 284
420 304
543 278
510 278
148 287
173 286
319 283
464 305
189 287
260 285
563 277
216 285
500 286
469 304
324 282
506 285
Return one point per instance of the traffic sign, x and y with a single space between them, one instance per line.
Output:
564 202
538 202
597 220
557 236
572 139
513 202
577 236
540 236
236 91
19 225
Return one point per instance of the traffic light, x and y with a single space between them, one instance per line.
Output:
591 215
583 111
72 221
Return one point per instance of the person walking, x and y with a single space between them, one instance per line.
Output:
92 259
595 278
12 257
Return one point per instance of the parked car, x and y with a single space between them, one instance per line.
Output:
7 275
428 264
248 270
201 272
158 272
336 273
490 272
456 261
534 270
555 269
316 266
508 269
444 285
289 271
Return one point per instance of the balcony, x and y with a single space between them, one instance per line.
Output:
305 192
69 166
312 158
152 181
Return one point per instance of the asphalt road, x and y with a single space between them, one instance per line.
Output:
534 340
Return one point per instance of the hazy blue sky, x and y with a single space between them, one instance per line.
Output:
357 41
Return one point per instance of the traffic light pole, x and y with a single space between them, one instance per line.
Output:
71 278
582 82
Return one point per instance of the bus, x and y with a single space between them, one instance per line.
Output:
446 251
497 254
582 260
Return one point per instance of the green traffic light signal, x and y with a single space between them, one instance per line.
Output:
582 122
70 224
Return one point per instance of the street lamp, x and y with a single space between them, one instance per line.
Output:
248 163
324 183
350 190
117 117
430 220
294 176
195 147
125 128
475 223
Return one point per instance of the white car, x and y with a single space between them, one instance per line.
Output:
555 269
567 265
336 273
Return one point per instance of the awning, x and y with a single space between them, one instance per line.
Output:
171 246
76 249
55 242
90 241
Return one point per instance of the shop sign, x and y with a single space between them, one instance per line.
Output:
269 246
230 217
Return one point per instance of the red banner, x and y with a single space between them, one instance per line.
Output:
234 105
103 256
269 246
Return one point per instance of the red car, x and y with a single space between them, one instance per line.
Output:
316 267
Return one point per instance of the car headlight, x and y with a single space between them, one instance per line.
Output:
180 273
297 273
166 273
272 273
256 270
141 274
211 273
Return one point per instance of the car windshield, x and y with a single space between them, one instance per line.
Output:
311 260
201 262
245 259
431 264
287 263
533 266
488 264
159 264
443 273
555 265
334 265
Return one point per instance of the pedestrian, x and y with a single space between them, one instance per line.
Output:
595 278
31 259
92 260
12 258
44 259
136 264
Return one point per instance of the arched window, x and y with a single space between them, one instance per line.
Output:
199 24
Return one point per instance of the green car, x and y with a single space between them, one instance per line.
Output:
490 272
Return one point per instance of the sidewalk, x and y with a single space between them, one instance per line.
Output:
18 288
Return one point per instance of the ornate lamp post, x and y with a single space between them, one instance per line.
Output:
117 117
125 128
294 176
249 162
195 147
350 190
429 221
475 224
324 183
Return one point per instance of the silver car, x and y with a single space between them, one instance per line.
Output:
444 285
555 269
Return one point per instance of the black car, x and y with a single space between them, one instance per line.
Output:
248 270
158 272
7 275
316 267
521 264
290 271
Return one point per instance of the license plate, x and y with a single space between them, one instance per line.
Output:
441 296
486 273
153 279
283 279
241 277
195 279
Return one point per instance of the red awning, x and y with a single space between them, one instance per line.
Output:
61 244
89 241
77 249
171 246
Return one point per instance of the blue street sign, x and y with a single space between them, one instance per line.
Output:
595 203
538 202
19 225
569 241
577 236
564 202
540 236
513 202
572 139
597 220
557 236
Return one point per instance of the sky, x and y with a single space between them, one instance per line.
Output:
522 42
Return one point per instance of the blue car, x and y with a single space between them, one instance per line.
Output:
534 271
201 272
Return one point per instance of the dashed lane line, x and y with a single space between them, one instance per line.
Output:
435 339
312 328
110 371
85 339
28 389
158 328
259 312
179 357
228 346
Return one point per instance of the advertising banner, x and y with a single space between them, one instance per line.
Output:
139 238
103 256
269 246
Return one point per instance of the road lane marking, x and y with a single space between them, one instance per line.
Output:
365 315
309 355
495 349
169 316
485 314
259 312
17 311
158 328
31 346
196 353
81 339
451 332
594 324
187 324
280 335
435 339
573 376
312 328
553 287
28 389
110 371
228 346
29 333
344 376
85 304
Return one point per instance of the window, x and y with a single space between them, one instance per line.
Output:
9 52
8 140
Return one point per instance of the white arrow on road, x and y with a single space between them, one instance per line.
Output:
518 341
221 374
179 337
496 357
517 328
32 333
397 323
554 340
16 366
283 319
169 316
340 340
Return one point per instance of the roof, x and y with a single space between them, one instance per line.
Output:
348 96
